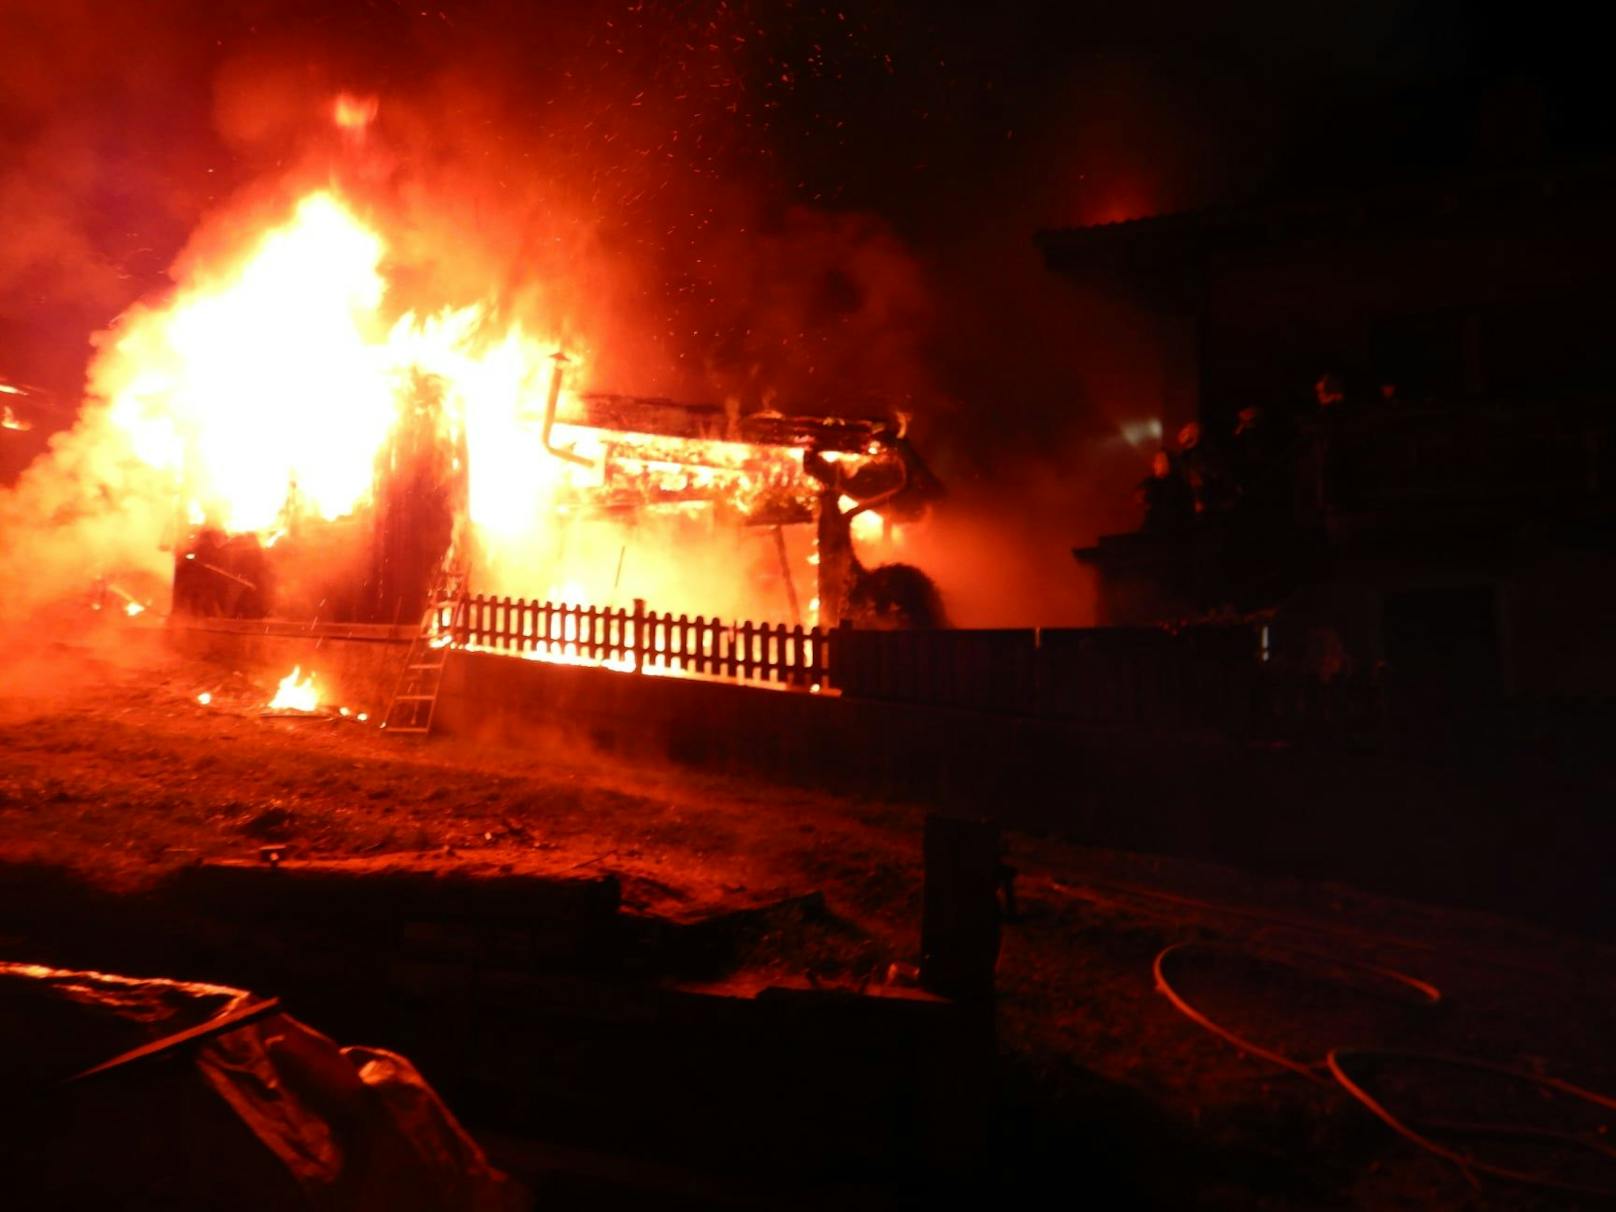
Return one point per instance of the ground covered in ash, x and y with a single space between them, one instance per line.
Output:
111 768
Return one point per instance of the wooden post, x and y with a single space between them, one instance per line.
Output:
460 630
639 634
959 930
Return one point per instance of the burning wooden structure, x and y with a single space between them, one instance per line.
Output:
465 452
650 457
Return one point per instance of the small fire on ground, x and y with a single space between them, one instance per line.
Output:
300 693
297 692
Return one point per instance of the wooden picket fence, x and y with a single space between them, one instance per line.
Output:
642 641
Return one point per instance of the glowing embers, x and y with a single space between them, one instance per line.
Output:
297 692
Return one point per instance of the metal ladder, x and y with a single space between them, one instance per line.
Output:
415 698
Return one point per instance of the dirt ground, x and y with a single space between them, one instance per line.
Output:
110 766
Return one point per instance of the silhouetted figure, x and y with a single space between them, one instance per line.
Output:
1262 460
1329 391
1325 656
1206 470
1168 499
1338 424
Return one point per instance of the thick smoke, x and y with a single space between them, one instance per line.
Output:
104 171
602 177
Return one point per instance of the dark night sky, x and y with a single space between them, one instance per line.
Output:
815 202
940 122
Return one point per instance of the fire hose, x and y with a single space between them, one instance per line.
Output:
1334 1069
1467 1163
1313 1072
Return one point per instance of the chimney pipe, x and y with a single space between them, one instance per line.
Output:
561 452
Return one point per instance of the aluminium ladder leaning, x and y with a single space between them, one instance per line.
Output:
415 698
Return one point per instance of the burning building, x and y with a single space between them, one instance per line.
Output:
323 453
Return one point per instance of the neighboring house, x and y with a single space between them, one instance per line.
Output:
1452 520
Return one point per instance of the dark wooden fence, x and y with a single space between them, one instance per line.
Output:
1207 677
644 641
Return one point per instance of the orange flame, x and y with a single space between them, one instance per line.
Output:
354 113
266 390
296 692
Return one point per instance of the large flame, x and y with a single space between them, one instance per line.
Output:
268 386
271 386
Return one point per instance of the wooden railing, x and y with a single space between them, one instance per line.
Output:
640 640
